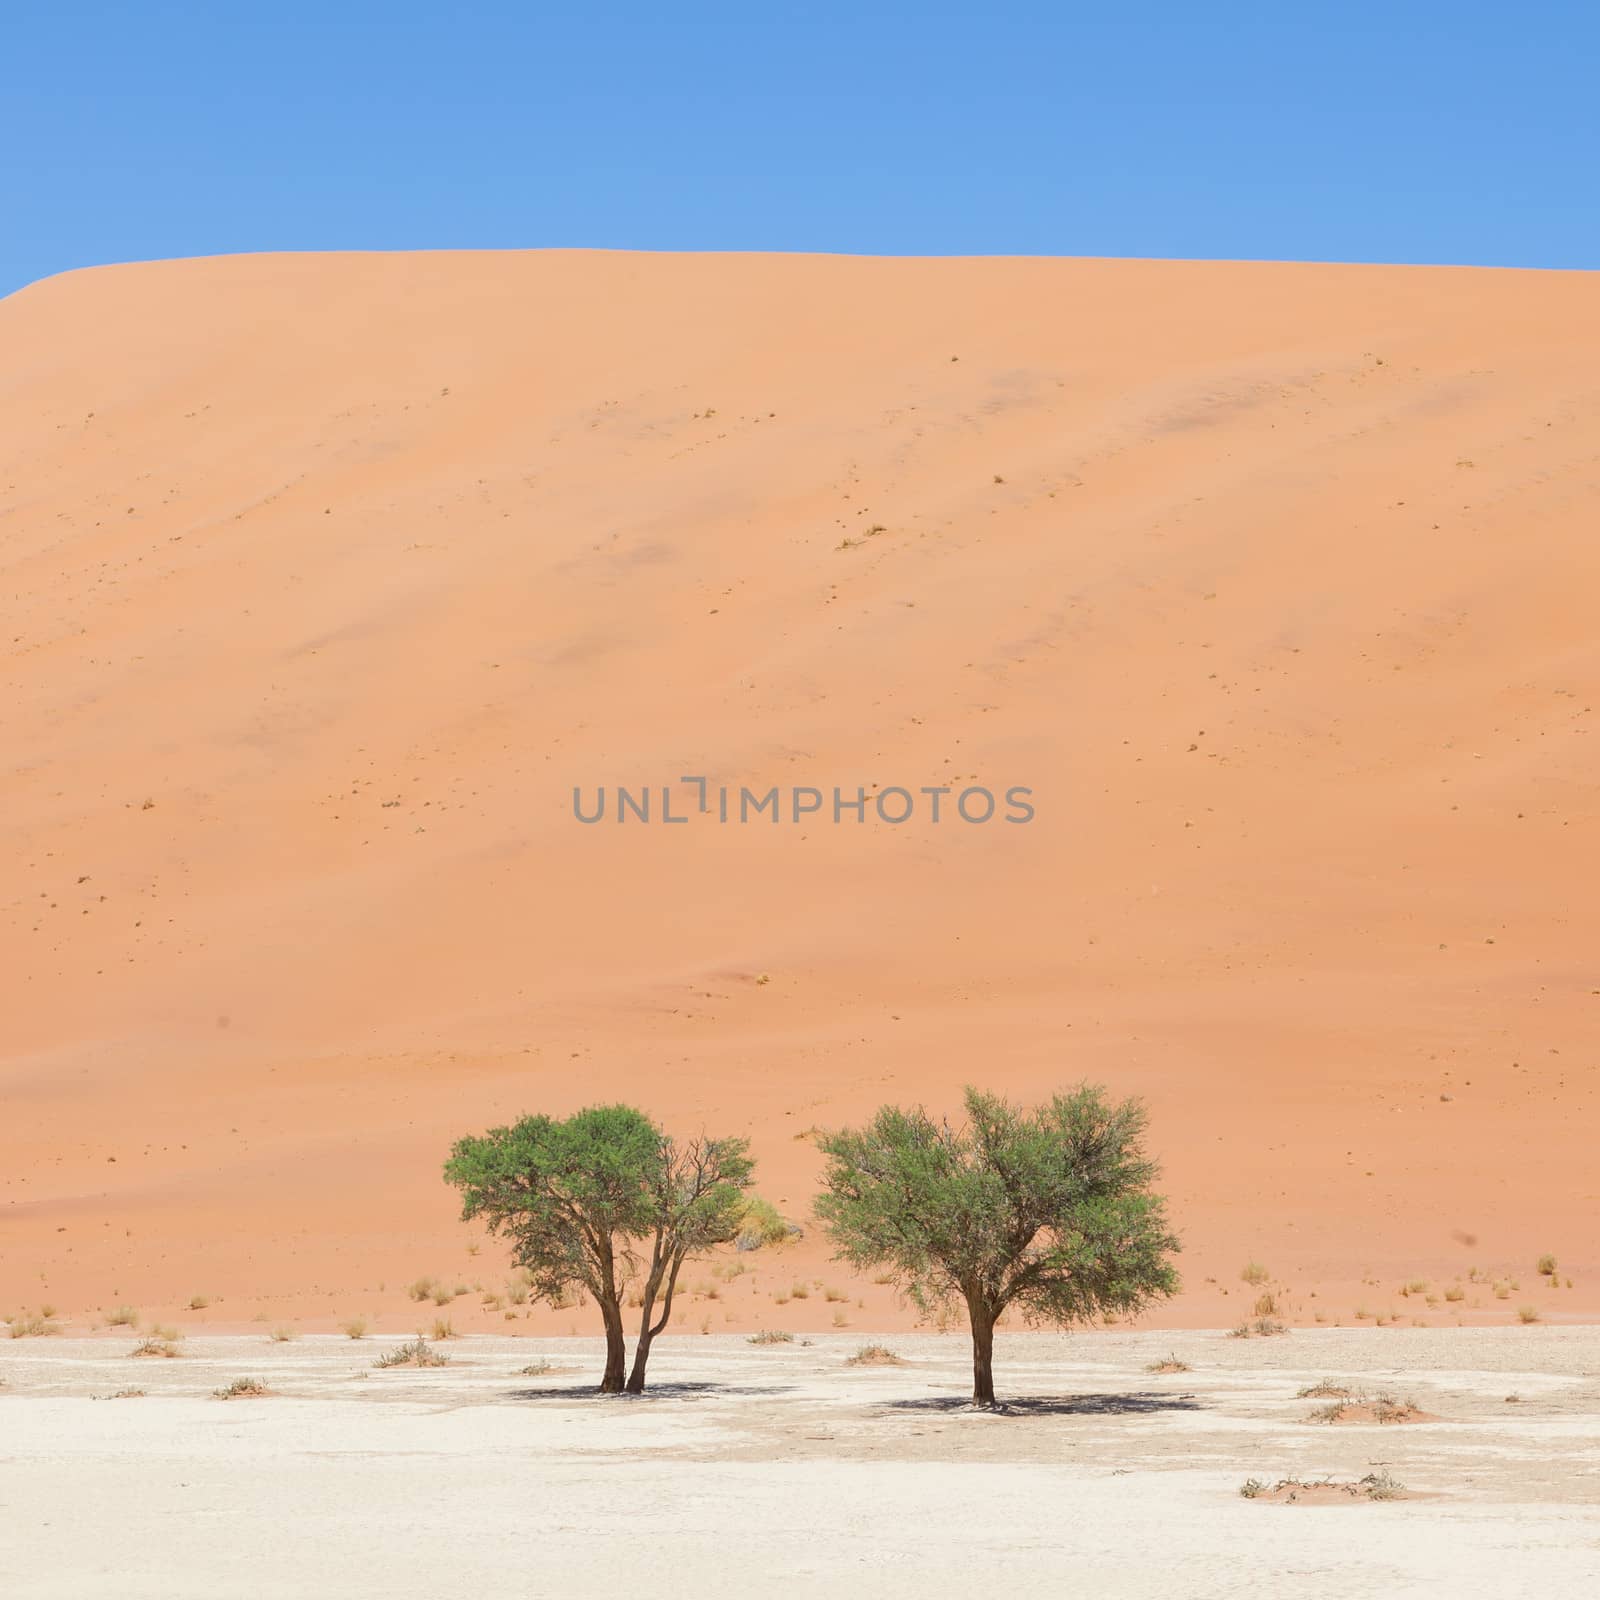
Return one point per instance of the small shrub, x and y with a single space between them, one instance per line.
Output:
1251 1488
1527 1313
414 1353
875 1355
535 1369
443 1329
763 1225
770 1336
1254 1274
155 1347
1326 1389
25 1325
1547 1266
122 1317
800 1291
421 1289
1169 1363
1383 1486
835 1296
355 1328
282 1335
127 1394
1455 1292
166 1334
243 1389
1267 1304
198 1302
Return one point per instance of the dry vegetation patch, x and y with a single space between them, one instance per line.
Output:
413 1353
243 1389
875 1355
1323 1491
1361 1407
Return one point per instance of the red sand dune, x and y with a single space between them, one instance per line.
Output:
328 577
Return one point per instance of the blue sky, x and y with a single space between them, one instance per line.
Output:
1358 132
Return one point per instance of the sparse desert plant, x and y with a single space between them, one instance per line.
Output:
1547 1266
1253 1273
442 1296
1325 1389
413 1353
355 1328
1383 1486
243 1389
1047 1210
760 1223
1527 1313
1267 1304
122 1317
535 1369
800 1291
166 1334
835 1296
840 1320
49 1312
1251 1488
443 1328
770 1336
875 1355
1168 1363
420 1289
127 1394
282 1334
198 1302
154 1346
1261 1328
1455 1292
32 1325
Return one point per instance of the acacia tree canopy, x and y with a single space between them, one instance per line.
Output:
575 1196
1046 1209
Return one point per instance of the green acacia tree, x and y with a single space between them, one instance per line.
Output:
1046 1209
575 1196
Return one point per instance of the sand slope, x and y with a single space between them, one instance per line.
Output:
327 578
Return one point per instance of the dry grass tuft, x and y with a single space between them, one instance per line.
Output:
243 1389
414 1353
875 1355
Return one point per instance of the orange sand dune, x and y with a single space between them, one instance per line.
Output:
327 578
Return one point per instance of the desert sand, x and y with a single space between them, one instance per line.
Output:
783 1471
327 580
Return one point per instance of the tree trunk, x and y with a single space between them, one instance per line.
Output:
616 1349
641 1355
647 1329
982 1322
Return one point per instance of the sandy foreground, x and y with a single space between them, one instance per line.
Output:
327 580
782 1470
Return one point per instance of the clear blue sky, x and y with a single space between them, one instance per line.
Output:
1405 131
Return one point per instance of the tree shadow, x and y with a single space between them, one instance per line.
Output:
1143 1402
654 1391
